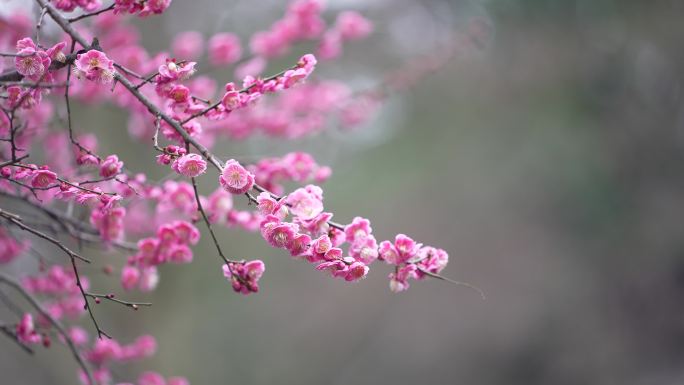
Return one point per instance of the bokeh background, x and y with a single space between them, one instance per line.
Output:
548 162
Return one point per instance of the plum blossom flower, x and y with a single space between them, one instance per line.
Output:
32 63
224 48
94 65
352 25
306 203
399 279
357 271
25 330
358 230
401 251
130 276
267 205
111 166
190 165
281 236
43 178
432 260
236 179
172 71
245 277
188 45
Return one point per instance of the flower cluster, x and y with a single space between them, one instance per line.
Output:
59 285
170 245
106 351
349 25
70 5
411 260
141 7
303 20
254 88
26 331
309 235
298 167
244 276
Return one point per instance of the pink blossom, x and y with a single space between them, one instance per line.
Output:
145 346
299 245
105 349
172 71
269 206
25 330
43 178
130 276
224 48
306 203
402 251
333 254
406 247
231 99
336 268
432 260
235 178
78 336
31 63
186 232
177 381
220 204
151 378
357 270
244 277
281 236
190 165
399 280
353 26
94 65
179 94
319 247
388 253
149 278
358 230
188 45
141 8
179 253
111 166
364 250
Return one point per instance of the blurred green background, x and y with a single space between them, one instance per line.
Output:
548 164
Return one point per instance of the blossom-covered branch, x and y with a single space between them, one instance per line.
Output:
178 114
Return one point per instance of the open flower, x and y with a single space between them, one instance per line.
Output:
43 178
236 179
190 165
94 65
